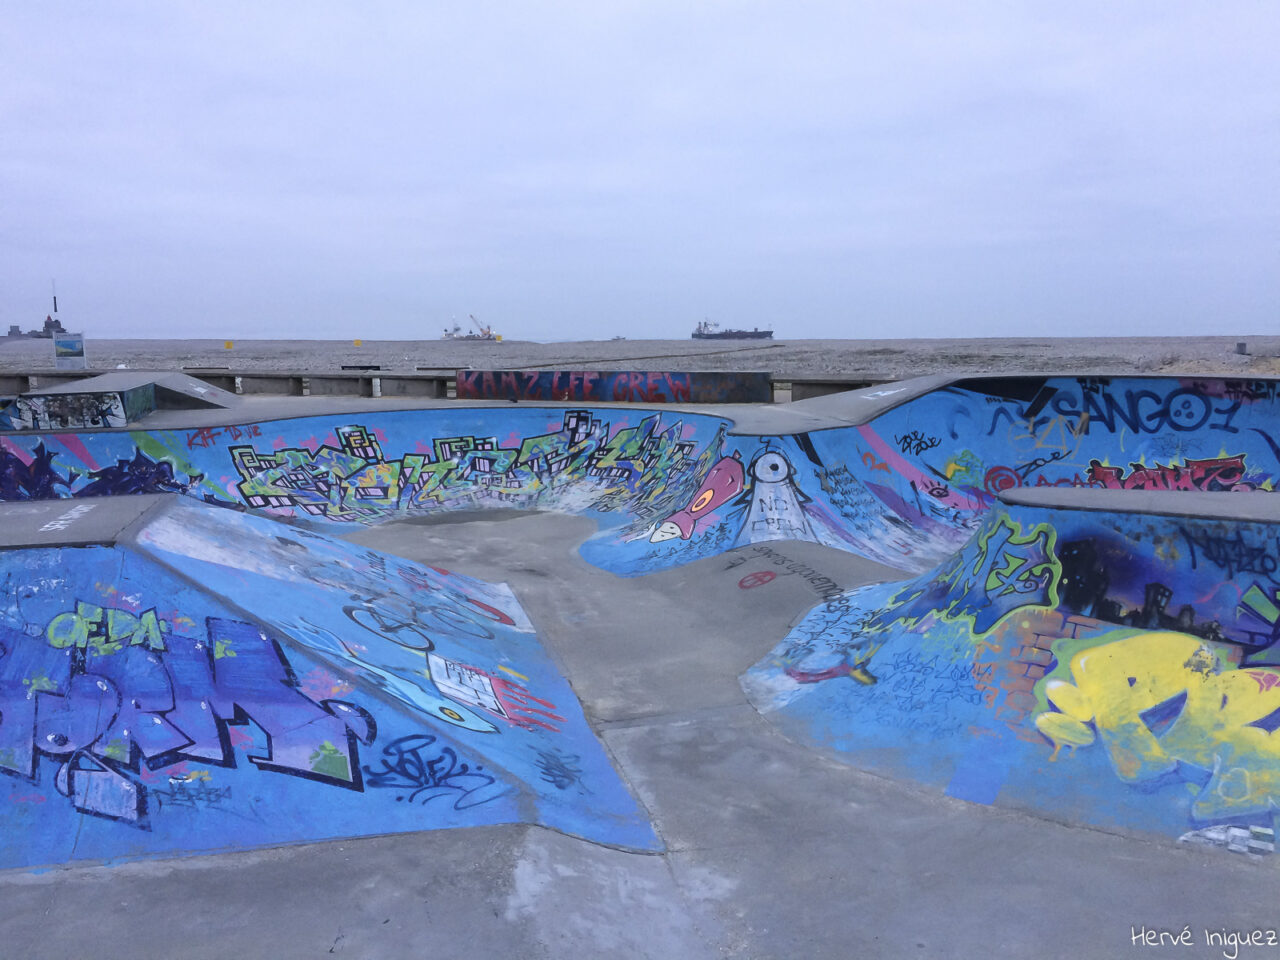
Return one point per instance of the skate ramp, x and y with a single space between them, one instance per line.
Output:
110 400
899 474
909 476
189 679
1099 664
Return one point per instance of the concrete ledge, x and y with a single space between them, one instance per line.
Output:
277 384
353 381
1255 506
805 389
337 386
72 523
402 385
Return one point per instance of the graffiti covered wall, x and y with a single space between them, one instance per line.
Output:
1117 669
907 488
997 674
345 693
65 411
627 386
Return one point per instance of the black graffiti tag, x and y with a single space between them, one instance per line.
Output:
916 442
1231 553
409 764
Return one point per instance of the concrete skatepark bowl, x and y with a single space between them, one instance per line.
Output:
976 667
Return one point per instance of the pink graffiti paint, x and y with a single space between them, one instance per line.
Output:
723 482
520 705
75 446
16 450
1265 680
925 484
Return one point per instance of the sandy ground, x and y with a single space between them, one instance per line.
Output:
786 359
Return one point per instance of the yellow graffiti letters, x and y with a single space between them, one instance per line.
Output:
1165 702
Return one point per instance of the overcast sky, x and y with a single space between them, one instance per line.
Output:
570 170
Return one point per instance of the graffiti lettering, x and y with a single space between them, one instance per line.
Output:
111 691
560 770
412 764
1231 553
206 436
916 442
1002 569
1138 410
869 460
1025 470
825 587
62 411
190 794
1221 473
354 482
62 521
1165 704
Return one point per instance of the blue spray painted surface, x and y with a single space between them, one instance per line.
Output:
1115 669
345 693
891 674
906 489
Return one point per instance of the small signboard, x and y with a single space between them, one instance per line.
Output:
68 352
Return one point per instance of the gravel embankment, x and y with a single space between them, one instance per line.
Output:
837 359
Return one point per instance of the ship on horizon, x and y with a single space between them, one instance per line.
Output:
482 332
706 330
52 328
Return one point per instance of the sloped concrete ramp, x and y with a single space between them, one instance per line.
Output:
1103 657
771 850
204 680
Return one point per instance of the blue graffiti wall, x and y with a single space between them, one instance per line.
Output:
906 488
1117 669
998 674
342 692
628 386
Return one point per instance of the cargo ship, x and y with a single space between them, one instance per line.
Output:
706 330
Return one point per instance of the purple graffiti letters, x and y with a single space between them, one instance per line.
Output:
106 692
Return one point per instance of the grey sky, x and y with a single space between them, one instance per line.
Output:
586 169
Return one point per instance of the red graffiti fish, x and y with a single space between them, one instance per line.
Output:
723 482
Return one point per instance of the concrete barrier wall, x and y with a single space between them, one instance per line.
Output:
587 386
366 381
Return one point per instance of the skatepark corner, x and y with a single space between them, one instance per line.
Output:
665 679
